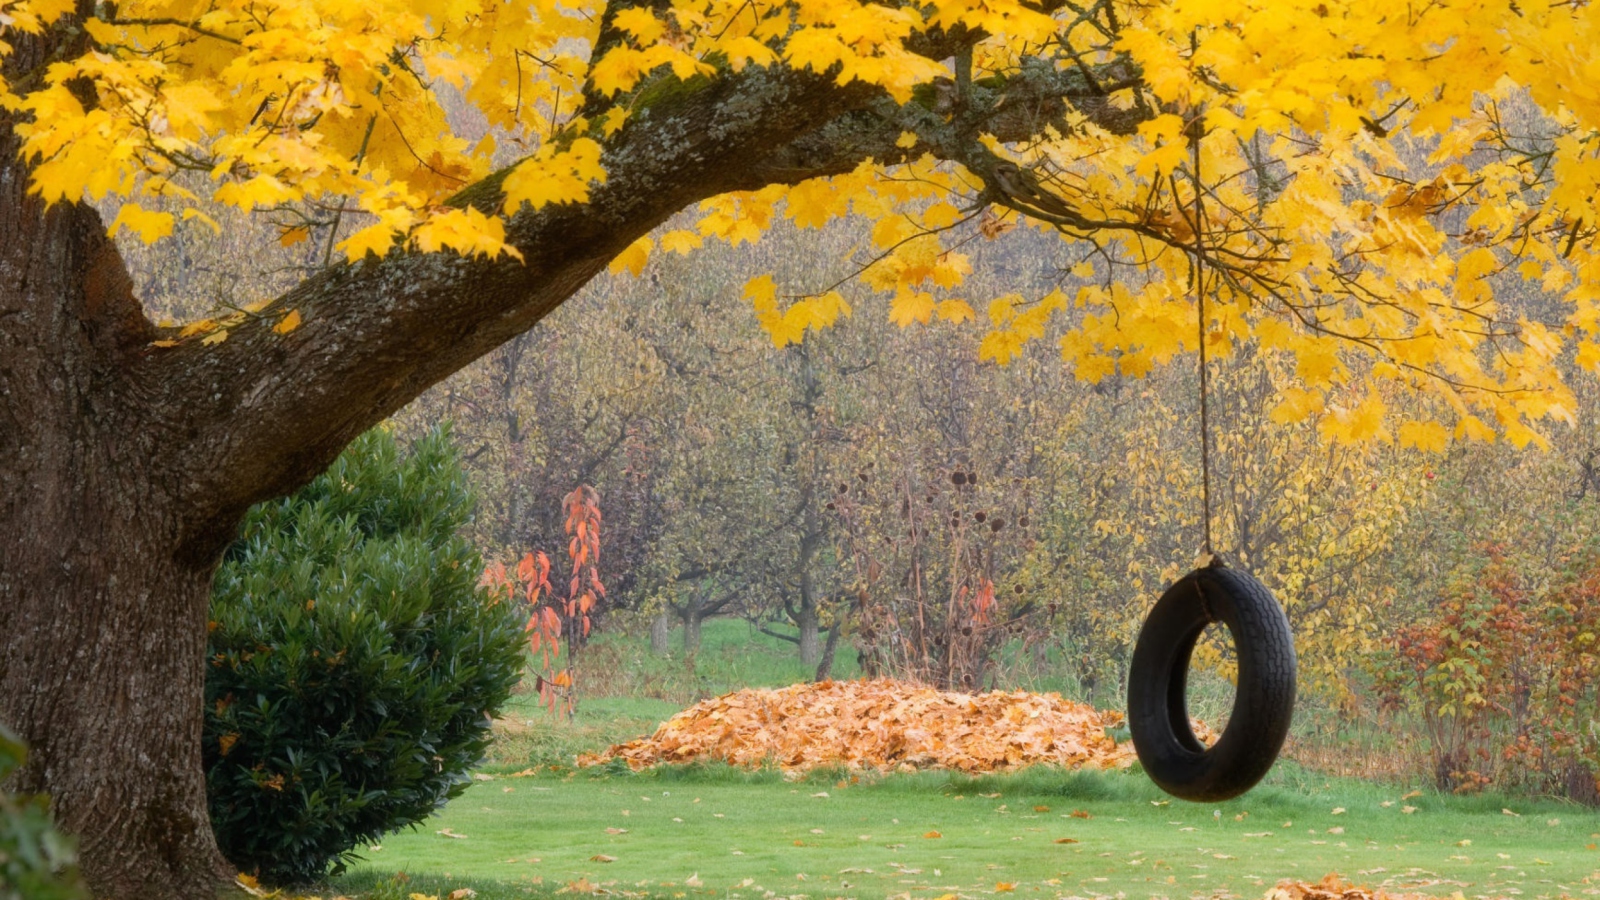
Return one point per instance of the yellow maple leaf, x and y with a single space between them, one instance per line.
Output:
288 323
374 239
911 306
957 311
762 292
681 242
1430 436
149 226
632 259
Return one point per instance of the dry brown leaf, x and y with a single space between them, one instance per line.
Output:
1332 887
602 858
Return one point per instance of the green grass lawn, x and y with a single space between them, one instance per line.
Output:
711 831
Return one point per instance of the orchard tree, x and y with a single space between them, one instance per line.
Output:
1350 174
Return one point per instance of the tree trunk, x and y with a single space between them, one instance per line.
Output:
810 633
102 618
806 617
691 630
825 665
661 633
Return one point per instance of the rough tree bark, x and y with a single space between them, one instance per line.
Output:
125 469
102 624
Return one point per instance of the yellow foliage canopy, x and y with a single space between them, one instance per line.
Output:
1362 190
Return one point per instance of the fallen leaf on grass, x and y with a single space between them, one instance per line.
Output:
1004 886
1508 812
1041 809
616 831
463 894
445 832
1080 814
602 858
933 834
1332 887
693 880
1338 810
1066 840
1408 810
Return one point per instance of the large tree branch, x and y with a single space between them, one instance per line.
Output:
261 413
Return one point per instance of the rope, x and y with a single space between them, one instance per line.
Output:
1200 302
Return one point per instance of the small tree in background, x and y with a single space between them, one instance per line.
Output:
932 560
1502 672
556 623
354 663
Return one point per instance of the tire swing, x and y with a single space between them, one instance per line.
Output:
1158 713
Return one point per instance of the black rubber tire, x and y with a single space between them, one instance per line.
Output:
1158 714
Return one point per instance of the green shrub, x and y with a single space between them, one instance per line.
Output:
36 861
354 662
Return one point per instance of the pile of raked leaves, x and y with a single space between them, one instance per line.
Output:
1332 887
883 725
